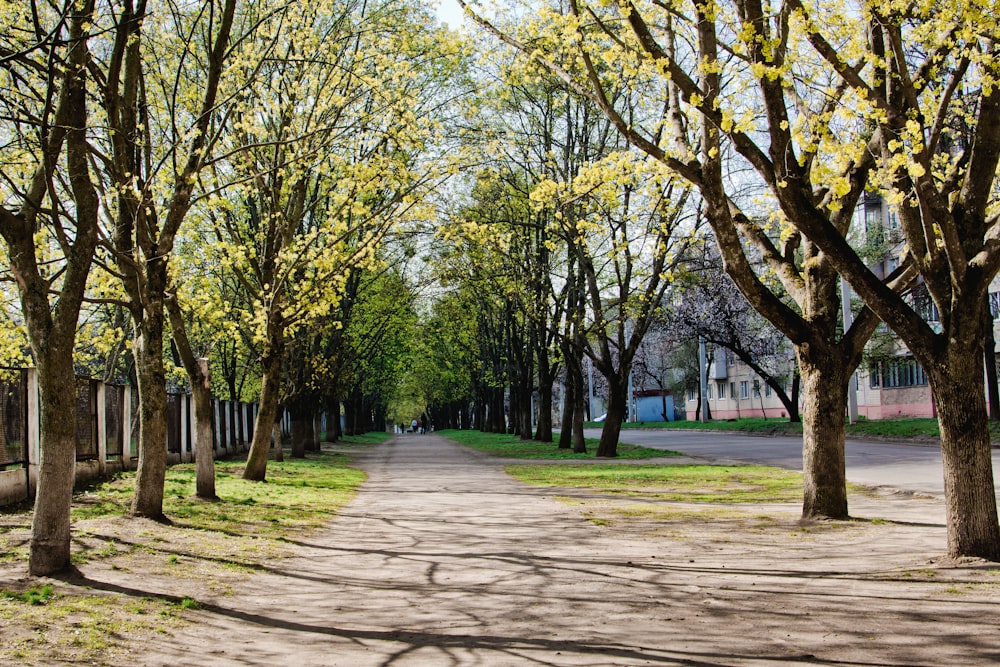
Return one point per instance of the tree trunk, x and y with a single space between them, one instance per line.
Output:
302 430
990 358
617 408
525 430
152 469
50 524
970 497
334 414
543 431
200 378
569 405
579 396
349 416
317 429
823 430
497 422
793 407
270 387
279 452
204 454
52 328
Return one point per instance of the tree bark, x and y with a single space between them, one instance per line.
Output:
52 328
543 430
50 524
617 408
823 430
334 414
201 395
579 396
152 468
990 358
970 496
256 468
279 452
568 411
302 430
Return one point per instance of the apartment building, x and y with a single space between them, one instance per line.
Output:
891 384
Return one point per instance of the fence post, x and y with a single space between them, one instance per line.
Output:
245 426
126 426
216 442
185 443
34 431
102 429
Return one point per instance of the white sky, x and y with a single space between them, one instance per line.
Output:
449 12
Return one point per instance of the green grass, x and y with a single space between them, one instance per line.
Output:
205 546
314 487
80 629
749 425
879 428
298 494
675 483
32 596
511 446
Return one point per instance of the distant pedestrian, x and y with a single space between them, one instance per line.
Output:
423 424
413 426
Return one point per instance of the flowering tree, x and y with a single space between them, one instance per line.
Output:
326 149
810 113
49 208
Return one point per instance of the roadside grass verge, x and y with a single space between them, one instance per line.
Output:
206 547
911 427
731 484
748 425
511 446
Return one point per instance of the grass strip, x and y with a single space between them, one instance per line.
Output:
675 483
907 427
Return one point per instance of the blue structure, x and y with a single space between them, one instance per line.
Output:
655 405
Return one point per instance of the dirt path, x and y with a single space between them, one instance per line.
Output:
444 560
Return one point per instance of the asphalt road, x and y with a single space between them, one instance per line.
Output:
910 467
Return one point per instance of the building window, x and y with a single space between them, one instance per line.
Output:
708 392
873 376
929 311
904 372
744 389
720 388
732 389
691 394
995 305
873 215
767 390
756 388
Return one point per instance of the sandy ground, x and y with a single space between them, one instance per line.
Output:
443 559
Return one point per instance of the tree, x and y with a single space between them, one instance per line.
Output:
328 152
159 136
901 101
714 311
48 221
679 66
629 229
443 361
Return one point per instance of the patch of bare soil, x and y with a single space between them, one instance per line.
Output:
444 560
